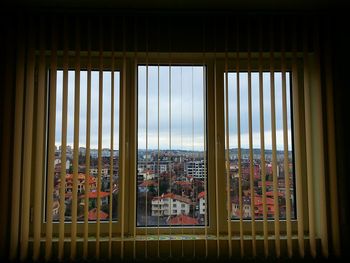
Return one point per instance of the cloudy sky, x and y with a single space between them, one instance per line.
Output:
180 115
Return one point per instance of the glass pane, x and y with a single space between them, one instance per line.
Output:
107 175
242 78
171 156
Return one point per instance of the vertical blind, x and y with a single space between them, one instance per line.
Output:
249 48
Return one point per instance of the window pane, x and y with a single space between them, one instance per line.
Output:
171 159
244 137
107 176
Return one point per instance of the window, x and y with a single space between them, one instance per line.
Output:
175 191
171 156
260 192
171 147
97 183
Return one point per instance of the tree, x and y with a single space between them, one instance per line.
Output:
152 190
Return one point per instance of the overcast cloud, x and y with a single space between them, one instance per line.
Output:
186 104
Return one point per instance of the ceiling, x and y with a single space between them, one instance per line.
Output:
193 5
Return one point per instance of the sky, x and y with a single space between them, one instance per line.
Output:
182 115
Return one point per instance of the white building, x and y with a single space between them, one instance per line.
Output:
58 161
201 197
247 212
196 169
161 166
170 204
149 175
104 172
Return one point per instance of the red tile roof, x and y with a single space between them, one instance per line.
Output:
183 220
258 201
201 195
148 183
267 183
174 196
81 177
272 194
93 195
92 215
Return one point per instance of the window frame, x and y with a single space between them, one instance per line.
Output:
127 65
85 61
254 66
175 59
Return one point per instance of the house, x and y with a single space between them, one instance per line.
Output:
196 169
104 171
148 185
92 215
80 183
55 208
170 204
235 210
93 196
202 197
182 220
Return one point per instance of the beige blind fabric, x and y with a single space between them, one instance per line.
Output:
252 52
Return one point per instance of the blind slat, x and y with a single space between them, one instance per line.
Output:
320 142
111 165
216 172
297 142
274 150
100 120
241 233
147 153
158 153
308 135
181 147
39 154
123 156
205 150
27 145
170 146
227 158
262 141
76 143
17 144
285 144
87 156
251 162
51 141
332 170
134 124
63 143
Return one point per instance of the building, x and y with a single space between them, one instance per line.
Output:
196 169
157 166
147 186
92 196
170 204
202 197
104 171
57 163
182 220
92 215
80 183
55 208
235 211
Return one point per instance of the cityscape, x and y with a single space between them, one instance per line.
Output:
172 186
171 175
106 196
